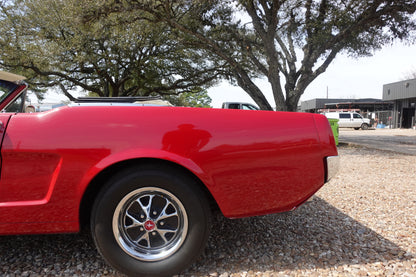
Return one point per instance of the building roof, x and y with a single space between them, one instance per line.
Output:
323 103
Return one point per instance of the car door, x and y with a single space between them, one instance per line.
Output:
357 120
248 107
344 120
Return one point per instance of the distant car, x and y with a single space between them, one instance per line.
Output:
350 120
239 106
145 178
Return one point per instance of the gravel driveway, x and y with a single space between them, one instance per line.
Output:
361 223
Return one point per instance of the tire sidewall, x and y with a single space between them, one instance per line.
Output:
183 187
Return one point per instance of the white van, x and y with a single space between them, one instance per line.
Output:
350 120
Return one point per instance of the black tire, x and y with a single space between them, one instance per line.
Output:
364 126
150 221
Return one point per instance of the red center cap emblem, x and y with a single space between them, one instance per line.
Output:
149 225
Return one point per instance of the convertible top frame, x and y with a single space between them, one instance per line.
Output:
11 77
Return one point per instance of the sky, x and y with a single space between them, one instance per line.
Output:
345 77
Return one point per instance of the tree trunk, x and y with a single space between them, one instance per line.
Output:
292 100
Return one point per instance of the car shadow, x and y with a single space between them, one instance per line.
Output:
317 235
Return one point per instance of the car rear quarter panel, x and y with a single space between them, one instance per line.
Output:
326 136
252 162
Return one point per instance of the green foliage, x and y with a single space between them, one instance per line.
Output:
136 47
294 40
50 42
190 99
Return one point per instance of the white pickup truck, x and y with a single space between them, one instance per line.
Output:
239 106
349 120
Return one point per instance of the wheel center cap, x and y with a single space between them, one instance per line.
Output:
149 225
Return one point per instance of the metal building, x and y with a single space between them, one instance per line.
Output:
366 105
403 94
378 111
317 105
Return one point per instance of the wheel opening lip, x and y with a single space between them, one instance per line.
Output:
146 253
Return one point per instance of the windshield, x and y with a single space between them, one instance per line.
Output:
6 88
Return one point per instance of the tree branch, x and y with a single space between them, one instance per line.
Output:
67 94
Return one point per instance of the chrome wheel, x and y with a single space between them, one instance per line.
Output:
150 220
150 224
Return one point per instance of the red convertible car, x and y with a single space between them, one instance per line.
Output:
146 178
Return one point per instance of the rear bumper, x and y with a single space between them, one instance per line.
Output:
332 167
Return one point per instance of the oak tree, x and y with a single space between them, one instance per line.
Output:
288 42
117 55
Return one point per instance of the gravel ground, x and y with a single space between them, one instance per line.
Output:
362 223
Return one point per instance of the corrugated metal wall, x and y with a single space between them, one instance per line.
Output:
400 90
403 94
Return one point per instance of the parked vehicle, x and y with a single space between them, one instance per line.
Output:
146 178
239 106
350 120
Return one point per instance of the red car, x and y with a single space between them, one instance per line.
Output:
146 178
